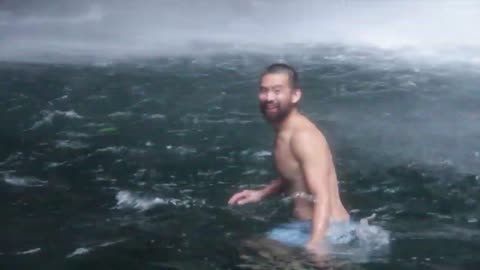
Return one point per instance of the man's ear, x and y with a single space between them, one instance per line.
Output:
297 94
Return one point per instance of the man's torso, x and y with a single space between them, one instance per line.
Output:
290 170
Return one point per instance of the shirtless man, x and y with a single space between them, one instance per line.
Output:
301 154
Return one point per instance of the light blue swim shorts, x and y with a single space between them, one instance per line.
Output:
297 233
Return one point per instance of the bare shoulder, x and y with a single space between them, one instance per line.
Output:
308 140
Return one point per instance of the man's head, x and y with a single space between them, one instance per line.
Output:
279 92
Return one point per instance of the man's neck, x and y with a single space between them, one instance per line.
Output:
286 123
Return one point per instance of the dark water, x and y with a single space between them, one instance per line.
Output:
129 165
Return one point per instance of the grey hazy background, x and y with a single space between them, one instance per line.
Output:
54 29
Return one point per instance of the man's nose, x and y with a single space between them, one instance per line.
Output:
270 96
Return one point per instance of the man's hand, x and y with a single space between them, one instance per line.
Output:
246 196
249 196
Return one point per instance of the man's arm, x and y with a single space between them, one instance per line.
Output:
311 149
248 196
274 187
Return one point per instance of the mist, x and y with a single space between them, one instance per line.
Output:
415 110
56 30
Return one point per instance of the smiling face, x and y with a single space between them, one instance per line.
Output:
277 96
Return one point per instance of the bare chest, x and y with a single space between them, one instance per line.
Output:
285 162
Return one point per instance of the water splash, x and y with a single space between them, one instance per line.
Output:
129 200
372 237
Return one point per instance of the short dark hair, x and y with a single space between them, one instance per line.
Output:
277 68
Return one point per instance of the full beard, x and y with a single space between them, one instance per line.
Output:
277 116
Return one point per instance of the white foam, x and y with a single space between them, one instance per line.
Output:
78 251
67 144
95 125
259 172
51 165
156 116
64 97
110 243
225 121
127 199
73 134
120 115
209 173
97 97
371 236
47 119
26 181
370 243
250 172
49 116
181 150
12 157
262 154
140 173
69 114
113 149
149 144
85 250
472 220
14 108
30 251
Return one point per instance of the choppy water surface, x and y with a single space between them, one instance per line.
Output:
129 165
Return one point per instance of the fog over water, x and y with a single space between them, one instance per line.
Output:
51 30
